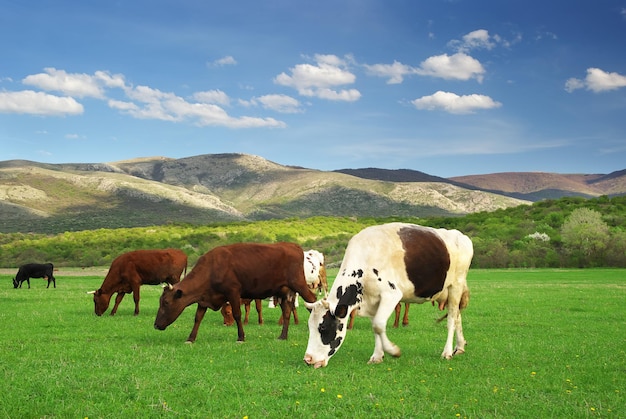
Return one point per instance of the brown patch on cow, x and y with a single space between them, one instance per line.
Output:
426 259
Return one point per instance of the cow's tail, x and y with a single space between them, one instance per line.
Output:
462 304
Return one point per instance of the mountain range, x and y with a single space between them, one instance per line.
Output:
44 197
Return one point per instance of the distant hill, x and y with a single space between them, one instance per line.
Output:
535 186
530 186
209 188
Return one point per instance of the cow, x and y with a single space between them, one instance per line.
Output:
227 311
131 270
34 270
232 272
315 271
384 265
315 275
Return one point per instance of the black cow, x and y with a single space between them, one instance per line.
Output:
34 270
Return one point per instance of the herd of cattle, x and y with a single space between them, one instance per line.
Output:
383 266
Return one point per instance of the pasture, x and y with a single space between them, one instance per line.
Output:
541 343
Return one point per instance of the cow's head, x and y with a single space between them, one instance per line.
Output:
15 283
100 301
328 325
227 313
171 304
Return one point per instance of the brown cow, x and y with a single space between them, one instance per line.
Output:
227 311
315 276
232 272
131 270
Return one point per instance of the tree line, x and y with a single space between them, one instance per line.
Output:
567 232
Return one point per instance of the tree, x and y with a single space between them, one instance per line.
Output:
585 237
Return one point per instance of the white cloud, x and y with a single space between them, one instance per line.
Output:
75 85
38 103
115 80
228 60
453 103
321 80
459 66
143 102
481 39
155 104
478 39
597 81
122 106
212 96
280 103
395 72
574 84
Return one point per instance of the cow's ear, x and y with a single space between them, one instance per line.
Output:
341 311
178 294
99 291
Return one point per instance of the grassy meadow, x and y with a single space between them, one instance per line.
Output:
541 343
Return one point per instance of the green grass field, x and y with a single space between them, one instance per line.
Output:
541 343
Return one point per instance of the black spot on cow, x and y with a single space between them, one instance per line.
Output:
350 297
334 345
375 271
357 274
392 285
328 328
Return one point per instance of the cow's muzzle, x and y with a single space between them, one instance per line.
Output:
308 359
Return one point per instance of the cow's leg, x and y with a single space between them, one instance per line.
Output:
235 303
460 339
247 308
382 343
118 299
454 325
294 311
136 298
285 306
28 280
398 311
405 319
200 312
259 309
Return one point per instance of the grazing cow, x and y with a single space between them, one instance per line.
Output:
315 271
34 270
227 311
131 270
382 266
315 275
230 273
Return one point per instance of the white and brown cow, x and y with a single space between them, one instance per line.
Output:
382 266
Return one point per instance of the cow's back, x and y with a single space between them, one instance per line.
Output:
152 267
461 252
259 269
414 258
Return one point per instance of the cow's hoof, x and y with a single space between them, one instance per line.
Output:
375 360
458 351
189 342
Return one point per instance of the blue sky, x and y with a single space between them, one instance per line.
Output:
449 88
